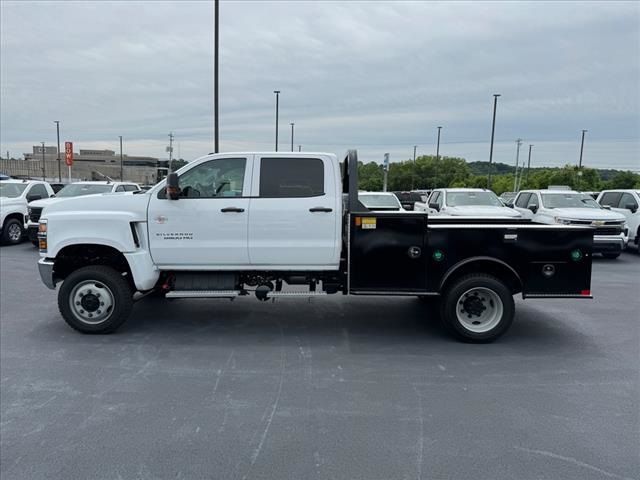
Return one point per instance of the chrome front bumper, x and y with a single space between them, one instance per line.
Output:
45 267
608 243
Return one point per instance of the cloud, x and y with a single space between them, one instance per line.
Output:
377 75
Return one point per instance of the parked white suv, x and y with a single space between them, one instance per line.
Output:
568 207
75 189
627 203
14 197
474 202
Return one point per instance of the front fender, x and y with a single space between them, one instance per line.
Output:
112 229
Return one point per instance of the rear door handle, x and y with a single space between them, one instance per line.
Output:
232 209
321 209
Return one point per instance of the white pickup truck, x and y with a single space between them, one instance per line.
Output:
472 202
228 225
15 195
568 207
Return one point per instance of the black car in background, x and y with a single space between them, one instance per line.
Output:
408 199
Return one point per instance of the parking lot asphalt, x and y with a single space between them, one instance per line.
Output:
344 388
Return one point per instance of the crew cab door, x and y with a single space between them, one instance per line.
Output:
207 226
295 213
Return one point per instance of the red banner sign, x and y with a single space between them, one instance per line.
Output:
68 153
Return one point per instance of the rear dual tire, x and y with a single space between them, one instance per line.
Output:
95 299
477 308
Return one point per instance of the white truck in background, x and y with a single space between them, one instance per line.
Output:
568 207
627 203
15 196
468 202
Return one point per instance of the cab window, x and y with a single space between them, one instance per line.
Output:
522 200
38 190
223 177
610 199
627 199
291 177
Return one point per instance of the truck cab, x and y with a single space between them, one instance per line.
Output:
236 224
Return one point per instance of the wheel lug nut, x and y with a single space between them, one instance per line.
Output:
91 315
81 311
77 303
98 295
102 304
98 312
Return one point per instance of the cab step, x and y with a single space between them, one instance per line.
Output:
203 294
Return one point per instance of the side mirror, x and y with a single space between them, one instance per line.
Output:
631 206
51 196
509 204
606 207
533 208
31 198
173 186
435 206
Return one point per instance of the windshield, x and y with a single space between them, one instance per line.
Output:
11 190
78 189
568 200
461 199
379 201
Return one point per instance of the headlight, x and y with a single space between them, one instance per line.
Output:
42 235
562 221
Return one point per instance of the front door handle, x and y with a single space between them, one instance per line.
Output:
321 209
232 209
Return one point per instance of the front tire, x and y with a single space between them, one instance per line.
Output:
478 308
95 299
12 232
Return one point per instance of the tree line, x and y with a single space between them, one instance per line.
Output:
429 172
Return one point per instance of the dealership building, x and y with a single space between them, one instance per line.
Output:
87 165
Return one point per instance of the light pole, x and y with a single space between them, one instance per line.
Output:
215 76
43 164
121 163
292 125
493 130
277 92
581 149
57 122
580 161
413 170
438 146
526 178
515 176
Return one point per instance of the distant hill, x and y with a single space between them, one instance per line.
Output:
482 168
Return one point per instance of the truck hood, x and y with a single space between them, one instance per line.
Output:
586 214
10 202
45 202
482 211
133 206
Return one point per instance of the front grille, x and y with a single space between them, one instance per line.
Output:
608 231
34 214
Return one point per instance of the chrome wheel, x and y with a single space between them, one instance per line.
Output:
479 309
14 232
91 302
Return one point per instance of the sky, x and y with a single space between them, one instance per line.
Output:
376 76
